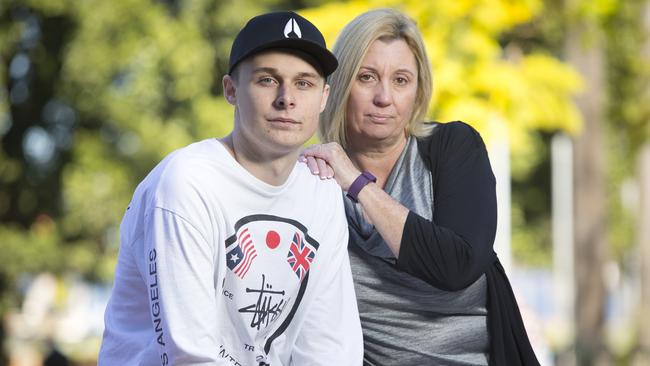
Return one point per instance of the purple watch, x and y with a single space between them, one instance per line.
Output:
361 181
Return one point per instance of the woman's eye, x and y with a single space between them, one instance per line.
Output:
366 77
401 80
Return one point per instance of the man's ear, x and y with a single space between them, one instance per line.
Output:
229 89
326 94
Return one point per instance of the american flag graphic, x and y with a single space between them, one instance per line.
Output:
301 255
241 256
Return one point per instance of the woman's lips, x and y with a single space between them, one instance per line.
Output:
375 117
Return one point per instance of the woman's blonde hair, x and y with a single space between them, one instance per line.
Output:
350 49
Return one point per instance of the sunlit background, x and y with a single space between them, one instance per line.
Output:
94 93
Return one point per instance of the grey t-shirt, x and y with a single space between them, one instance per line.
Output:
405 320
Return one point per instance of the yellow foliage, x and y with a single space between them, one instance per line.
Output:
331 18
475 43
214 116
592 9
471 109
498 15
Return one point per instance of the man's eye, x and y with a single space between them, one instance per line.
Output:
266 80
303 84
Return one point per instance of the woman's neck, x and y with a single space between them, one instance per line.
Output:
379 159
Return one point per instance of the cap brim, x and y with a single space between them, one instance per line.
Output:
324 57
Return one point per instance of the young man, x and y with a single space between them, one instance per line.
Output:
231 252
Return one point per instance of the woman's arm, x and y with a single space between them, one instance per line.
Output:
383 211
453 249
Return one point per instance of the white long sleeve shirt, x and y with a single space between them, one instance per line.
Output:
219 268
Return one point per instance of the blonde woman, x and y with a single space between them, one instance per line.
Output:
421 208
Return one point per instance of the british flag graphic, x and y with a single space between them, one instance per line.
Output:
301 255
242 254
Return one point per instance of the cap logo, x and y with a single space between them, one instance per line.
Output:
292 30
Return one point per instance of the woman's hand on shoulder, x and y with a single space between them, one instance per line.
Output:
330 161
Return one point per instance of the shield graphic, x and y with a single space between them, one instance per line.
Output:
268 259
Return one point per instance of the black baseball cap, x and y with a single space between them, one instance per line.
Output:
283 30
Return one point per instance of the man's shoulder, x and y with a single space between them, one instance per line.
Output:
194 160
323 196
182 174
310 182
200 152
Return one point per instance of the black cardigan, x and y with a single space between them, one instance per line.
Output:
454 249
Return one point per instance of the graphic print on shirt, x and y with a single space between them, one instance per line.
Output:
240 257
268 259
265 309
300 256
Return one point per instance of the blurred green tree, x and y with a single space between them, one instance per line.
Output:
611 31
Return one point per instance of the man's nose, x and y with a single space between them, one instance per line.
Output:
285 98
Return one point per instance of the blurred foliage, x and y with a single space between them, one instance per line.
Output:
628 113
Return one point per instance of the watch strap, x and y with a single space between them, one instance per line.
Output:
362 180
